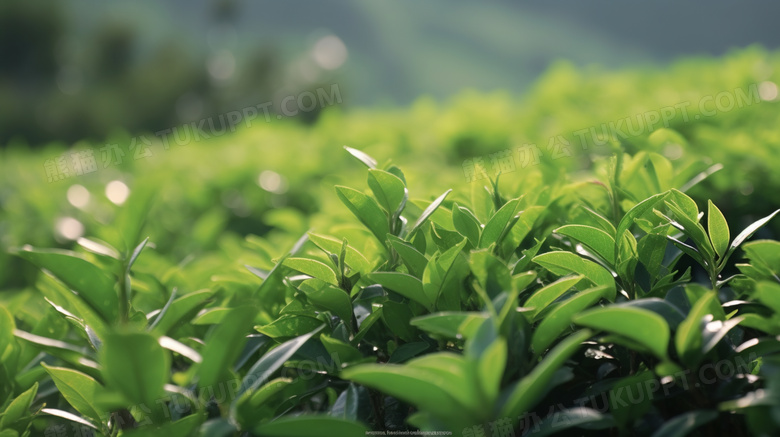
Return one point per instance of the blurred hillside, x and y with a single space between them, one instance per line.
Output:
81 68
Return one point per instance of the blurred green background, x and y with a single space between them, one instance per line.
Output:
109 91
79 69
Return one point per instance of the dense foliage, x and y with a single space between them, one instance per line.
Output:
613 285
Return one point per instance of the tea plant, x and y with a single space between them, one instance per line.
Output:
545 311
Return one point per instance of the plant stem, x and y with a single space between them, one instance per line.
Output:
124 299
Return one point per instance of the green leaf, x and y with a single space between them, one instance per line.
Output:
570 418
715 331
466 223
136 253
414 260
748 232
366 210
427 213
433 383
269 363
639 210
311 426
754 321
601 221
397 316
92 285
558 320
626 408
65 415
528 254
354 259
347 404
685 423
211 316
158 315
366 325
265 395
444 238
180 348
700 177
693 229
688 339
598 241
529 390
60 349
718 229
132 216
685 204
440 280
217 428
397 172
490 368
448 323
651 250
407 351
79 389
184 427
362 157
525 223
7 327
406 285
136 365
481 201
663 308
627 258
643 326
19 407
496 226
547 294
388 189
289 325
764 256
661 170
313 268
663 136
564 263
223 345
329 298
345 351
769 294
490 271
181 311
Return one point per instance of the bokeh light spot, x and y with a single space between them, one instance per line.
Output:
329 52
69 228
78 196
117 192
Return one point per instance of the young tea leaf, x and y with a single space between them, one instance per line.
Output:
313 268
748 232
497 224
563 263
93 285
362 157
643 326
135 365
529 390
366 210
428 211
594 239
466 223
80 390
388 189
718 229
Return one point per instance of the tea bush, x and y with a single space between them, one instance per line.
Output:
606 290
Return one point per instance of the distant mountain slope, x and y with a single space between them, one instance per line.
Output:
401 49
